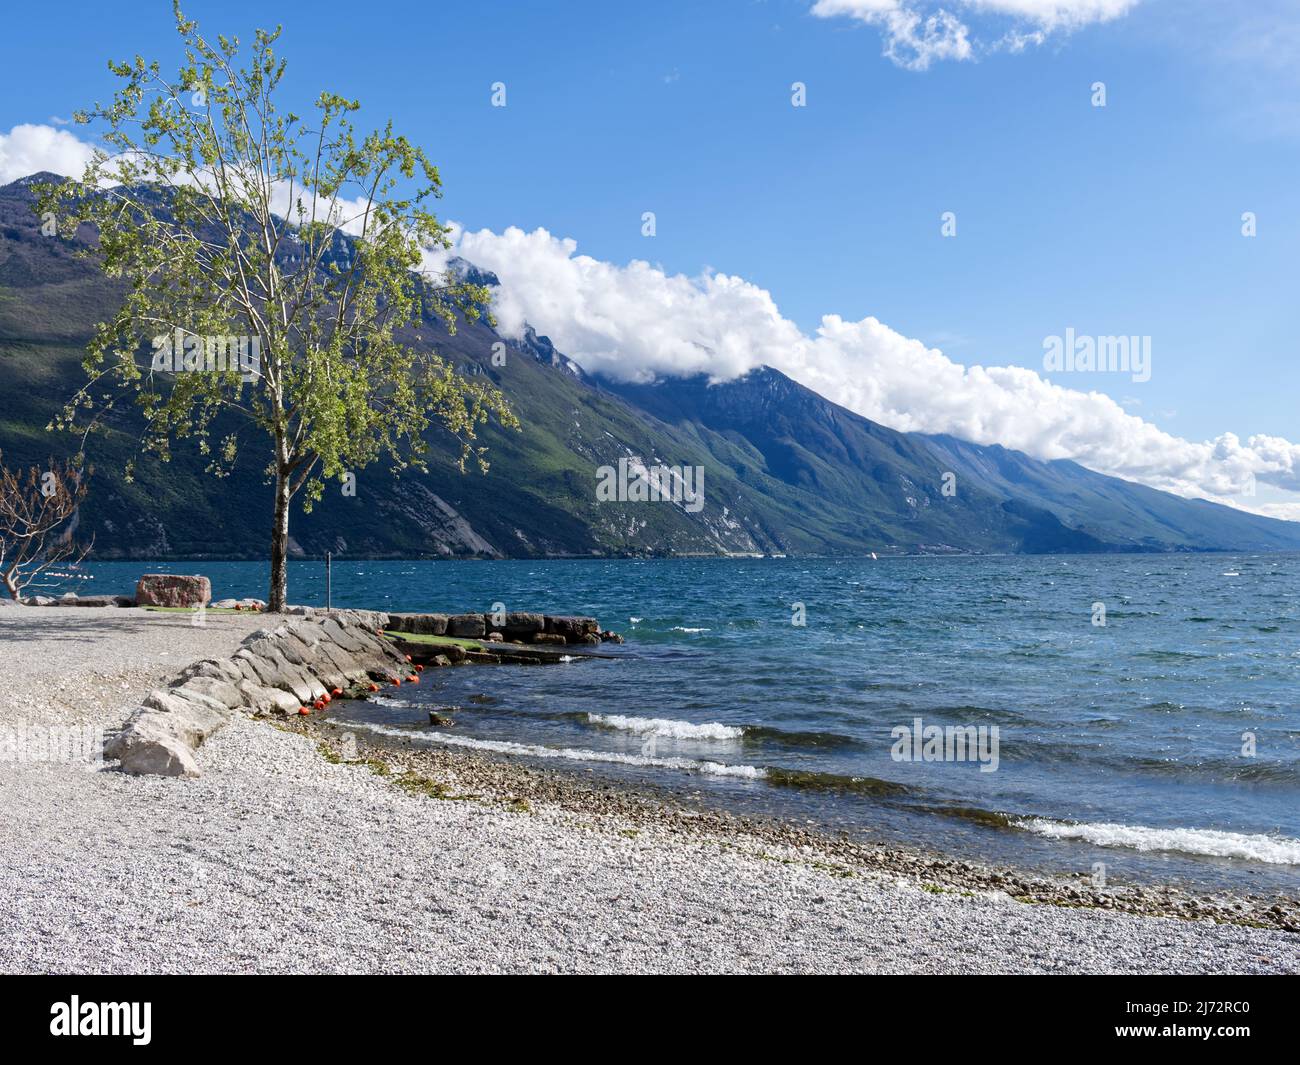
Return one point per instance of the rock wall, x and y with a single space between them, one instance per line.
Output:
514 627
274 672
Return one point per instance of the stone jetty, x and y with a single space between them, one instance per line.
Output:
322 655
514 627
281 671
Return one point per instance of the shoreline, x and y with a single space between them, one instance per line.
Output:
447 773
279 858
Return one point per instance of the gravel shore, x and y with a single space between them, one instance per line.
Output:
279 859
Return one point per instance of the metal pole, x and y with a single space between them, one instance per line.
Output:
329 559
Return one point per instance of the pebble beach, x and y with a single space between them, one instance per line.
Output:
289 855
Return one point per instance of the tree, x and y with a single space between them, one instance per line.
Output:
273 270
37 519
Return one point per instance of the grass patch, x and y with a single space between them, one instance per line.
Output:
438 641
417 784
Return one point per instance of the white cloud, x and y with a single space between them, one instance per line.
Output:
27 149
919 32
637 322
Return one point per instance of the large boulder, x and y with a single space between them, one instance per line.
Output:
264 700
191 716
572 628
520 625
466 625
161 756
159 739
172 589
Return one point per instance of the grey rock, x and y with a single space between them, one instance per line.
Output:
218 689
263 700
221 669
193 717
571 627
163 756
278 672
466 625
341 636
88 600
519 624
430 625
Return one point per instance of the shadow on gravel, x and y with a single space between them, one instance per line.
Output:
24 624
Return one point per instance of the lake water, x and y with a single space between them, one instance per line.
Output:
1164 742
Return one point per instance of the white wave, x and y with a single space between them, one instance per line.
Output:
574 754
384 700
636 621
683 628
1274 850
660 726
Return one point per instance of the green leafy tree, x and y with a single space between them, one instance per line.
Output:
273 272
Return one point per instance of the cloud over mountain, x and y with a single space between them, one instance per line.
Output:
28 148
637 322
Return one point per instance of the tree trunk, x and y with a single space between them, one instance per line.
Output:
11 584
278 596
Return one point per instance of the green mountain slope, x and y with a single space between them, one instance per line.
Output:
785 471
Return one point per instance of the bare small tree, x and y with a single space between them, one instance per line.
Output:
37 519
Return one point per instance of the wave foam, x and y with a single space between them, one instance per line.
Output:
1273 850
660 726
575 754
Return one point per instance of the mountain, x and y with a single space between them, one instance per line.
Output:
785 470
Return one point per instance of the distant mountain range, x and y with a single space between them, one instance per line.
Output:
785 470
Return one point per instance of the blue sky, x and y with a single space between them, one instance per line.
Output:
1115 220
